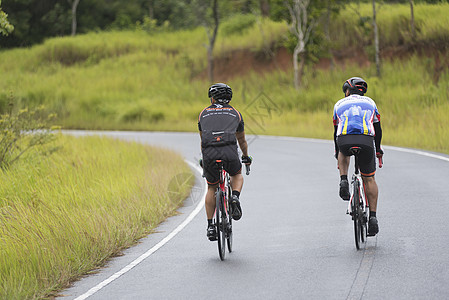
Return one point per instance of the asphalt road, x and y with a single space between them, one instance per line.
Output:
294 240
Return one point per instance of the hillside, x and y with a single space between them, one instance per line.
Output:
139 81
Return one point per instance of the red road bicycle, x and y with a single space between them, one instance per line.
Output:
223 212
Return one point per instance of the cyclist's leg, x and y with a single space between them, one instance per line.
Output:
343 164
367 164
212 175
234 168
371 192
344 143
237 182
210 201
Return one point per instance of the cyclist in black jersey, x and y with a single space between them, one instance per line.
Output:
221 127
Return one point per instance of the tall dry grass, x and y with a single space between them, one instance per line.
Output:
64 215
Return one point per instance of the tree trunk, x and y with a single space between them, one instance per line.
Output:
327 32
212 39
151 9
74 23
210 63
302 64
412 21
296 68
376 40
264 8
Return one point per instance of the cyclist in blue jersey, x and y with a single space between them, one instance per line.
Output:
357 123
221 128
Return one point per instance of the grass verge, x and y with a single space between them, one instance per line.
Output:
66 214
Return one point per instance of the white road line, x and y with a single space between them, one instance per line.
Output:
201 204
428 154
406 150
153 249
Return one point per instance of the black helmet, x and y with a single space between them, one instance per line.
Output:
356 85
221 92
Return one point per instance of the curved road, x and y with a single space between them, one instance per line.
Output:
294 240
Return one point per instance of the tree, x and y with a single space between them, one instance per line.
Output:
207 12
74 4
5 27
412 21
376 40
332 7
23 130
302 24
264 8
212 35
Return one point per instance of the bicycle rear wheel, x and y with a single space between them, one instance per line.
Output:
220 217
229 219
356 214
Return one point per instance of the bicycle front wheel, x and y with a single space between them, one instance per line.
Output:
220 216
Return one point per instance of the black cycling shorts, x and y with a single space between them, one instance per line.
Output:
367 155
212 173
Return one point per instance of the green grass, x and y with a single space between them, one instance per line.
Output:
431 22
64 215
136 81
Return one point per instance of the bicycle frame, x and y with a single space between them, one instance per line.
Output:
357 206
223 220
356 177
224 186
222 216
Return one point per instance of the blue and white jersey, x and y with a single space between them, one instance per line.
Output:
356 114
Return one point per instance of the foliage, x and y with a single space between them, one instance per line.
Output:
36 20
150 25
22 131
238 24
130 80
353 26
5 27
64 215
316 49
317 45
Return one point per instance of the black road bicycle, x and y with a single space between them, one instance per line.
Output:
223 211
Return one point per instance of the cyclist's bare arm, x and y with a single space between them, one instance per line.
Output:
242 142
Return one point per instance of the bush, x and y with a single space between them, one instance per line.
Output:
21 131
238 24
